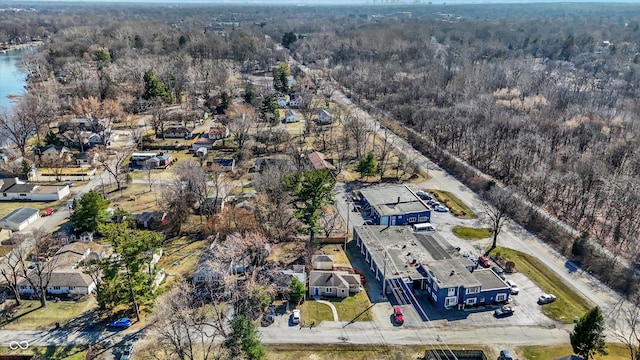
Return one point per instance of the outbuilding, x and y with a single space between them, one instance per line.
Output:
19 219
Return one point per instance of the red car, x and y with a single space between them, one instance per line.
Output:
397 315
47 212
484 261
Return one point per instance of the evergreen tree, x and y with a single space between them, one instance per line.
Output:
250 96
288 38
281 78
243 339
269 109
368 166
310 192
52 139
25 168
153 87
296 290
90 211
587 337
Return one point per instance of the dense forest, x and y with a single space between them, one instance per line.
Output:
542 97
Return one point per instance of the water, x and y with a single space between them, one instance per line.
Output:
12 81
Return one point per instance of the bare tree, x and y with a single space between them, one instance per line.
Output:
186 327
12 269
17 128
384 150
357 130
499 202
624 323
159 119
148 168
116 166
239 129
330 220
43 266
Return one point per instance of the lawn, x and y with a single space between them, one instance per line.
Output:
353 351
180 257
49 352
457 207
32 317
540 352
569 303
135 198
352 306
469 233
313 312
339 257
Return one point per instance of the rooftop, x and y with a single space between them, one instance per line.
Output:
453 272
489 279
20 215
404 249
394 200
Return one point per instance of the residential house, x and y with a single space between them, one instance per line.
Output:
322 262
85 124
86 159
409 261
86 236
150 219
224 164
394 205
68 276
139 159
178 132
291 116
19 219
80 139
218 132
319 161
333 283
53 154
211 205
160 161
12 189
202 143
324 117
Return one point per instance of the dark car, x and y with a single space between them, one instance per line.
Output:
127 353
121 323
398 317
505 355
484 261
504 310
498 270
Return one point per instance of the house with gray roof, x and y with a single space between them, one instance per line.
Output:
19 219
13 189
333 283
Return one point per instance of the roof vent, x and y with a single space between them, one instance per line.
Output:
453 272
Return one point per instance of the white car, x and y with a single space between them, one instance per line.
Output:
546 298
514 287
441 208
295 316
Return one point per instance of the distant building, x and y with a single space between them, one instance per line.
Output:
19 219
395 205
319 161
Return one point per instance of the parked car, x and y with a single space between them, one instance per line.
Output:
441 208
503 311
398 317
433 202
127 353
498 270
546 298
423 195
484 261
122 323
69 184
295 316
514 287
47 212
505 355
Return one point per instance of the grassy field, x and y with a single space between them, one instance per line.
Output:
354 352
135 198
313 312
180 258
49 352
457 207
350 307
616 352
469 233
569 303
32 317
339 257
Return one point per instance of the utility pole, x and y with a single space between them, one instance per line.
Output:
346 237
384 276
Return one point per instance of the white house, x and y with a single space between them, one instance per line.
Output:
12 189
291 117
19 219
86 159
322 262
324 117
333 283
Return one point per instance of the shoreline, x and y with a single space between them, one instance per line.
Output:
15 47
